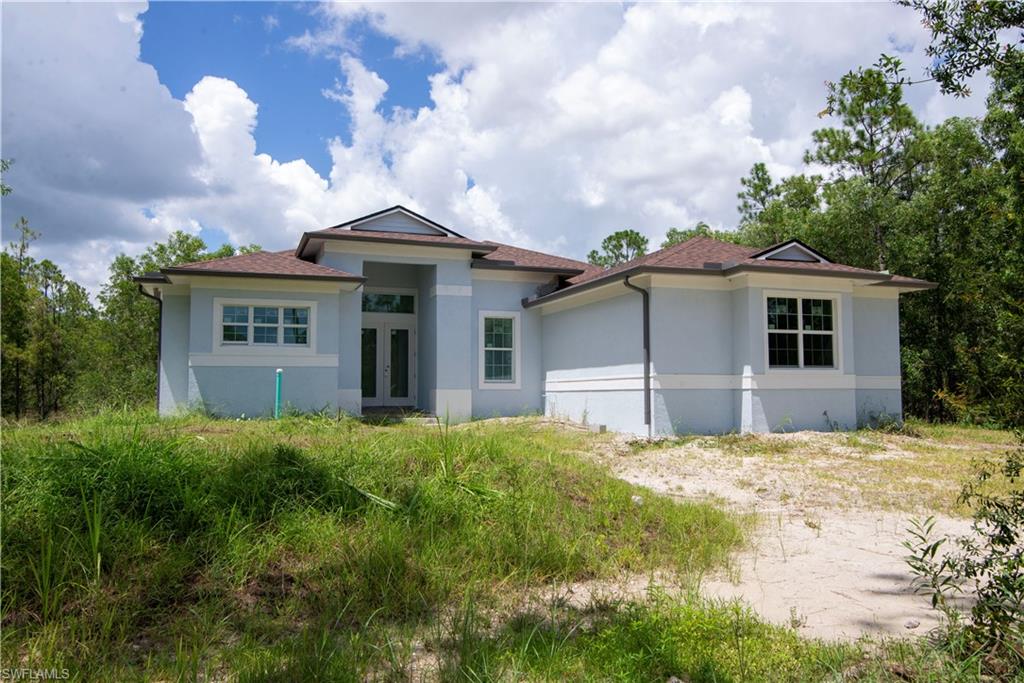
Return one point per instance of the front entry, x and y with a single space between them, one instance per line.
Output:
389 363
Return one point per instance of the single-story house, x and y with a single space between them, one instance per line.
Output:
393 310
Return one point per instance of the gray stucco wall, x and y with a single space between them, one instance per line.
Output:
249 391
244 382
496 295
174 341
598 340
876 336
688 329
694 411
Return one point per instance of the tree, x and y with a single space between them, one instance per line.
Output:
619 247
879 139
795 206
677 236
965 38
127 335
5 189
757 193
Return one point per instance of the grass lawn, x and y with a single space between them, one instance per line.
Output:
318 549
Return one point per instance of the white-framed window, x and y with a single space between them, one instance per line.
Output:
801 331
286 325
500 349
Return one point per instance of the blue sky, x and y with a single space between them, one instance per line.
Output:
545 126
245 42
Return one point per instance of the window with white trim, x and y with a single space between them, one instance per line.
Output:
499 349
801 332
264 325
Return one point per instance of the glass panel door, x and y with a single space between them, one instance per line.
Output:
371 366
398 363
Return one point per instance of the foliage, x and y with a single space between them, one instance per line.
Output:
942 204
990 561
60 352
757 193
965 37
676 236
619 247
133 545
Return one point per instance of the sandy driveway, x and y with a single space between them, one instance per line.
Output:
822 559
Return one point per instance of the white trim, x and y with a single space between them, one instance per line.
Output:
517 350
261 360
386 249
776 381
836 332
511 275
451 290
249 348
789 245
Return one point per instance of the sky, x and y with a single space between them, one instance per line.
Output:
546 126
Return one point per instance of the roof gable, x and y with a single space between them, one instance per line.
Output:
791 250
397 219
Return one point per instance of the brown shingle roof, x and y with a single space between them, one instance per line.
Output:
507 257
283 265
707 256
396 238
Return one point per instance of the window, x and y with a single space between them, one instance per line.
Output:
801 333
265 325
499 350
389 303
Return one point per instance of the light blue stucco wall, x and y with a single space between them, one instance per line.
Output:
174 339
876 340
876 336
787 410
597 340
688 329
249 391
694 411
427 339
442 349
233 389
498 295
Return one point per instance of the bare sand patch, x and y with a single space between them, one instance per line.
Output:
824 558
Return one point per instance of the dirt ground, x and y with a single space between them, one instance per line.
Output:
832 510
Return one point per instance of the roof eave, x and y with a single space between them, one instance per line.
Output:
850 275
916 286
476 248
490 265
269 276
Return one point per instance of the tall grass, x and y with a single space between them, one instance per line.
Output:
133 546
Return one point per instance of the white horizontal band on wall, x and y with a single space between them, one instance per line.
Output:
212 360
451 290
725 382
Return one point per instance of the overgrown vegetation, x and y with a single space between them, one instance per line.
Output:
132 545
988 564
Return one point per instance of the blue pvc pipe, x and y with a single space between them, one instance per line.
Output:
277 393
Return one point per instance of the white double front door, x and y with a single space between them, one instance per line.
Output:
389 360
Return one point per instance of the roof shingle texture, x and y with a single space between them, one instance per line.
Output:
695 252
276 264
516 257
